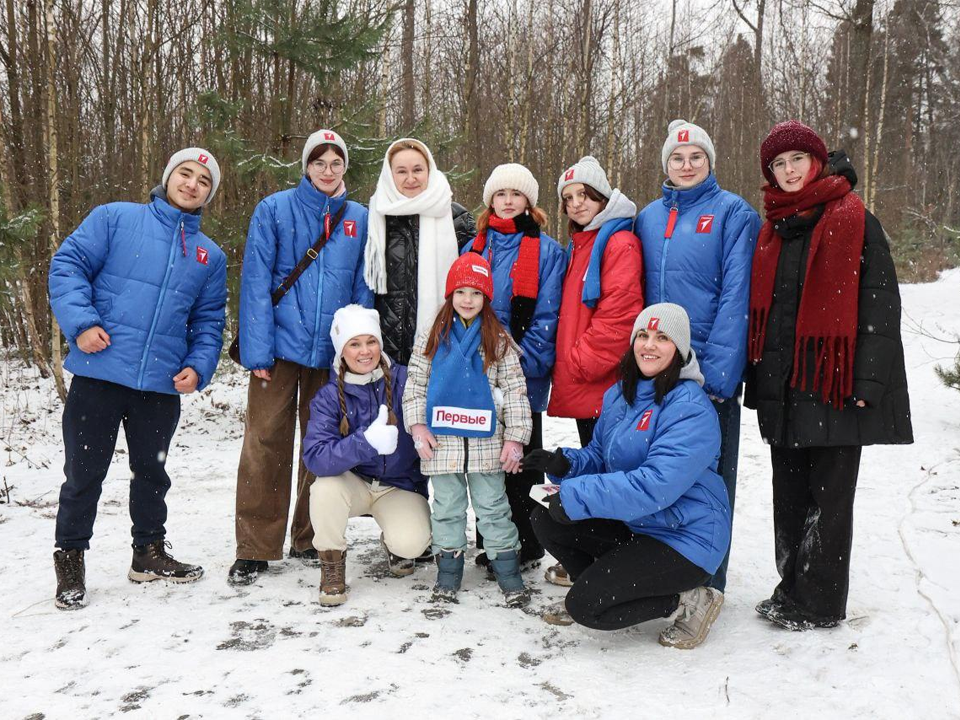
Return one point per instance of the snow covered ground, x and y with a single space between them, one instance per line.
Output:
269 651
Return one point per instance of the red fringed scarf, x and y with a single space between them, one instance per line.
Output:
526 270
827 316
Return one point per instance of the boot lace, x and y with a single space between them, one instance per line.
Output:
334 571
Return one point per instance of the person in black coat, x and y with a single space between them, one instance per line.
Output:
415 234
826 373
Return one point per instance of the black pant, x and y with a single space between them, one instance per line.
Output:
91 420
585 428
621 578
813 491
521 504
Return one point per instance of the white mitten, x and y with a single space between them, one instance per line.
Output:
381 436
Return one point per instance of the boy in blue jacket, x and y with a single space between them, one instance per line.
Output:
139 293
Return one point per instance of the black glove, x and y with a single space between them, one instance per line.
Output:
552 463
557 513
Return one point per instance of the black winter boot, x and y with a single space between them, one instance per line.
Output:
152 562
308 557
245 572
71 579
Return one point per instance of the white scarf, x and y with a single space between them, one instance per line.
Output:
437 240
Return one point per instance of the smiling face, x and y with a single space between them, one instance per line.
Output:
578 205
509 203
653 351
468 302
790 170
688 166
188 186
326 171
410 172
362 354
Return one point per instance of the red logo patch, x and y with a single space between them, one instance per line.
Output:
569 175
202 255
645 420
350 228
705 224
329 136
653 324
202 159
683 136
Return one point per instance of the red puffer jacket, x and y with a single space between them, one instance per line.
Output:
591 341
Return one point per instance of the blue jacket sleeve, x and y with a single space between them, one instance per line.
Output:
362 294
687 442
257 329
725 353
205 324
325 451
540 341
76 263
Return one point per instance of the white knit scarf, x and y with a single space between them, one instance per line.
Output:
437 239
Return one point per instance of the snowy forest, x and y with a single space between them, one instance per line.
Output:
98 93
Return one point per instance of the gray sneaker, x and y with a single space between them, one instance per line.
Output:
699 609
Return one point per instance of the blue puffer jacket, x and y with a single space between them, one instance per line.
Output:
653 467
283 227
705 267
158 286
539 346
326 452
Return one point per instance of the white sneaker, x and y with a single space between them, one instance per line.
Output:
699 609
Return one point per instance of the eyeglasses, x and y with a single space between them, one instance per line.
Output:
677 162
780 164
336 167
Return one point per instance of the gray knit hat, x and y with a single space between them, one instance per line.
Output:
321 137
198 155
680 133
511 176
588 172
671 320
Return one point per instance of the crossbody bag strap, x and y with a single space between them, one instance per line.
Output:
312 254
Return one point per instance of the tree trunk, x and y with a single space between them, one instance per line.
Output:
407 85
861 33
471 104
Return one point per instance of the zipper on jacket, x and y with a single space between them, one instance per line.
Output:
316 320
667 234
183 239
156 313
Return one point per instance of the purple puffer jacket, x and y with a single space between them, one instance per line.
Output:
326 453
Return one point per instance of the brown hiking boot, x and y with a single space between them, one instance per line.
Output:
333 577
557 575
71 579
152 562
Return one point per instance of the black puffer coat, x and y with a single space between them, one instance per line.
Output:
398 306
790 417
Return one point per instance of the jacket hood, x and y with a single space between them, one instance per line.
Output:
840 164
619 206
691 371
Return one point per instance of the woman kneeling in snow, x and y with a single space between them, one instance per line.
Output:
642 521
363 458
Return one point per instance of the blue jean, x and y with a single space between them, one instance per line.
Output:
728 412
488 494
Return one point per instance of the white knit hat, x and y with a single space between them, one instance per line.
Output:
680 133
321 137
199 155
349 322
668 318
588 172
511 176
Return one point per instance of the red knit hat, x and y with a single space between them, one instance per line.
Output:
786 136
470 270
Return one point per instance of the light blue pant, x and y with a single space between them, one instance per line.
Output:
489 497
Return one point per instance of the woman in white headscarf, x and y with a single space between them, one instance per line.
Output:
415 234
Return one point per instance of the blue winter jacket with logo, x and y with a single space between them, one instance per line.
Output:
653 467
539 346
704 265
157 285
283 227
326 452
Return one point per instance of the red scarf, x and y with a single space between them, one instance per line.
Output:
827 316
526 270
